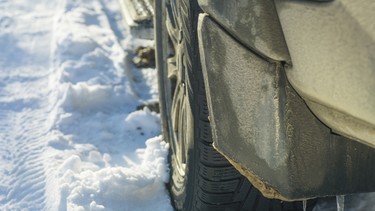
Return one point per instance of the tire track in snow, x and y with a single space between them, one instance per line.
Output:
23 141
24 108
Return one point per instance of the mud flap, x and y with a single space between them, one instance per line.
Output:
266 130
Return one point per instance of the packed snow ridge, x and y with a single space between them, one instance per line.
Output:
70 133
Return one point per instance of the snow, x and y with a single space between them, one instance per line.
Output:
70 133
71 136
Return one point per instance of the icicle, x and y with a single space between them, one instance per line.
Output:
340 201
304 203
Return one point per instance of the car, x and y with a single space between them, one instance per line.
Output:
267 105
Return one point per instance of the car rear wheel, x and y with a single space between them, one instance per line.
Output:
201 178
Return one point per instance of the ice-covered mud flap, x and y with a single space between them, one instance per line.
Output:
263 127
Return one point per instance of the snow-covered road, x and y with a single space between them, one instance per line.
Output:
70 135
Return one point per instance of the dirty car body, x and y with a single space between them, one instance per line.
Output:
290 90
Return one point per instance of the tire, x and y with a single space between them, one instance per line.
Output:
201 178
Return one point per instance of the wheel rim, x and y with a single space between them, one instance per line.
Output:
179 128
176 97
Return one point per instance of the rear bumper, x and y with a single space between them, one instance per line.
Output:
266 130
332 48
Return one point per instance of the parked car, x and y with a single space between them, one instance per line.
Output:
266 103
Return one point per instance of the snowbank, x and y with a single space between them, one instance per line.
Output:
104 164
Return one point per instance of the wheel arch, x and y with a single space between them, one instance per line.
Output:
254 24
